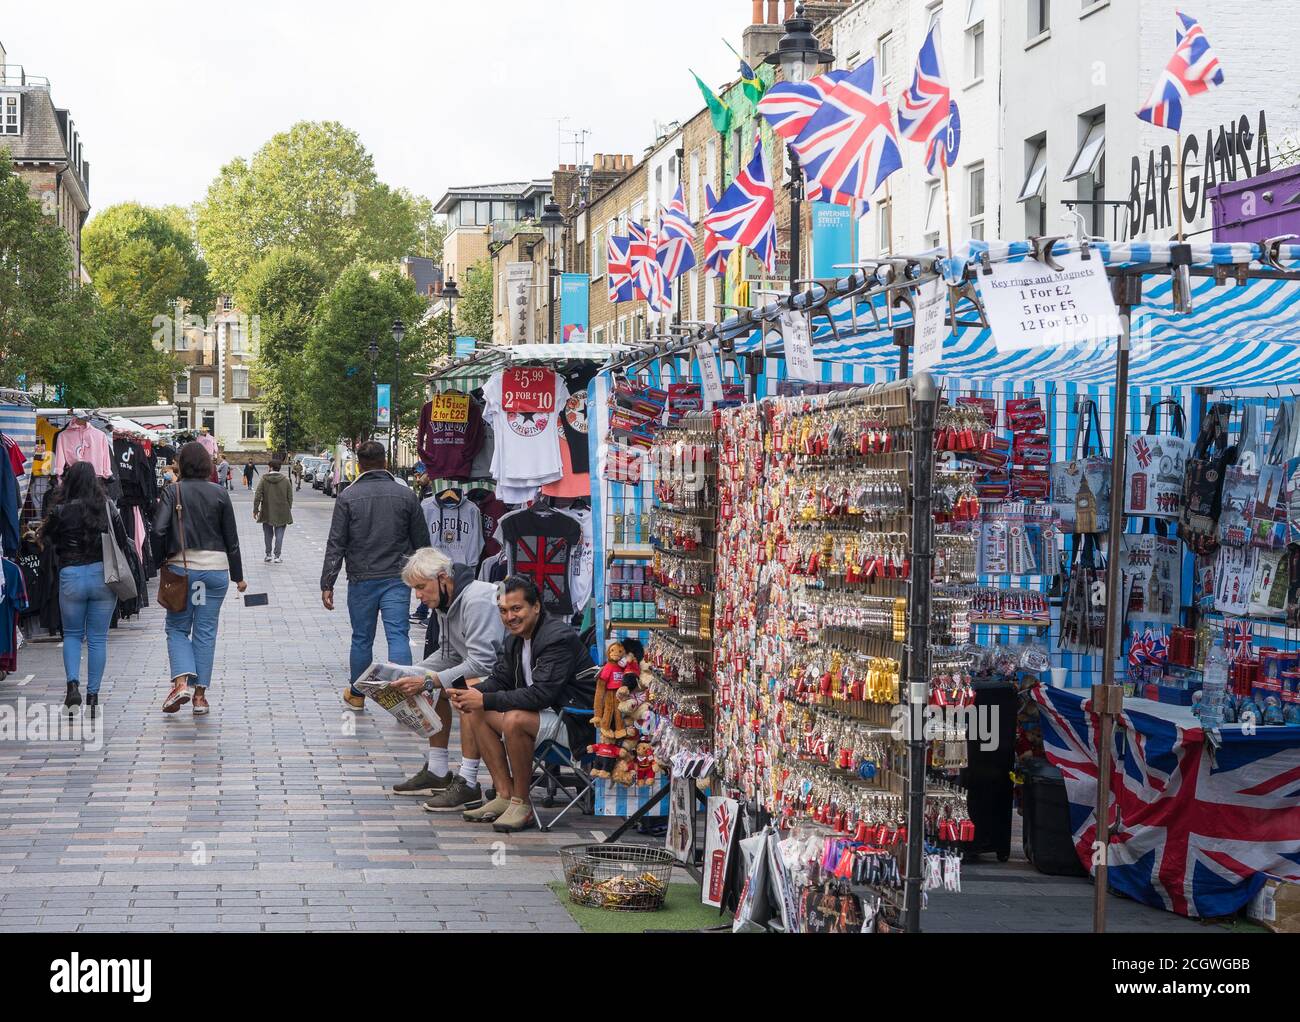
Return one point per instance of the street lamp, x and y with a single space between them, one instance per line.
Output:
553 228
399 331
451 296
799 55
374 385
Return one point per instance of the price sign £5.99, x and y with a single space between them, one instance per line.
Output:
1030 306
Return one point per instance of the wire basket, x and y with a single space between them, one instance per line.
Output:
620 878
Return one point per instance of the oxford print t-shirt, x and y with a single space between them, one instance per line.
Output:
455 528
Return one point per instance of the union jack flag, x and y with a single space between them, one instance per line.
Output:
717 249
746 213
789 106
619 269
849 147
925 110
676 238
546 560
648 281
1193 69
1194 831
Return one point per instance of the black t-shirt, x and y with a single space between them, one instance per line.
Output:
574 420
539 543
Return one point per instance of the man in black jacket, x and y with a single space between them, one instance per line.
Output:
538 669
377 524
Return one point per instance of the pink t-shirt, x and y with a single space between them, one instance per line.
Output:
83 443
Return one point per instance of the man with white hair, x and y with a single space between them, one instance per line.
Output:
471 634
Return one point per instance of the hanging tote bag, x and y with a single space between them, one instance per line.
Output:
1239 483
1152 572
1234 579
173 587
117 569
1268 510
1271 584
1203 487
1081 486
1155 466
1083 613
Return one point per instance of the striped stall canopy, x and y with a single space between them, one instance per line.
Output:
1245 334
18 422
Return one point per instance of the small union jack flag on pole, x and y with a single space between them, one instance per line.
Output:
925 110
648 282
717 249
619 269
850 148
1194 69
789 106
746 213
676 238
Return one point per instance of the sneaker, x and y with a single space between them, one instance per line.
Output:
177 697
458 795
279 560
518 817
487 813
201 707
426 782
357 703
266 559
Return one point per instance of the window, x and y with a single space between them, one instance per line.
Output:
851 64
1033 193
1091 150
659 187
885 59
182 386
599 253
251 425
621 336
598 335
1089 169
210 420
205 386
885 226
11 113
711 164
936 15
975 188
235 336
182 418
227 304
693 300
737 141
975 52
693 199
239 384
1040 17
934 214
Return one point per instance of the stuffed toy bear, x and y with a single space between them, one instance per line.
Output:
625 771
618 664
607 758
647 768
635 711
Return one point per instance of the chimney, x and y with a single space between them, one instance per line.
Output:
789 10
763 35
771 11
758 13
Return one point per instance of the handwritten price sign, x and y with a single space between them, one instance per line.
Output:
1030 306
449 408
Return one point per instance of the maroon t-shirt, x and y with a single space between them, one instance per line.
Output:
451 433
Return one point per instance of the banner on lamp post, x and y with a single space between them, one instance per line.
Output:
519 295
834 229
384 405
575 307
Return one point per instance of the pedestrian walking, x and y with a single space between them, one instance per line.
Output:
297 473
195 536
377 524
224 472
273 507
250 470
79 516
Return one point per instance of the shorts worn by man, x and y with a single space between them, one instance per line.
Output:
539 668
377 525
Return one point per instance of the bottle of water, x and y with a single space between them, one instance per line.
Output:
1215 690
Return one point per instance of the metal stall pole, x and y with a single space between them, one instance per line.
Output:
1108 698
903 337
917 683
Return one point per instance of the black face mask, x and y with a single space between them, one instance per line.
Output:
444 599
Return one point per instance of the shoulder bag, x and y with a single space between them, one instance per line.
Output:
1198 525
1155 466
117 569
173 587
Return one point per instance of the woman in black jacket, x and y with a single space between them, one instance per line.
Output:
209 560
79 515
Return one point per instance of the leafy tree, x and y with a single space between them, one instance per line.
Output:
312 188
358 309
474 310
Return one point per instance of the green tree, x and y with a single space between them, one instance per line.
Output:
312 188
474 311
282 290
358 309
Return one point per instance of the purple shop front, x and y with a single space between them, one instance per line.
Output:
1262 207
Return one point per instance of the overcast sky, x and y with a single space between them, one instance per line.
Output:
443 93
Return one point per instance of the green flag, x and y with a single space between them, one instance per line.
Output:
750 83
719 110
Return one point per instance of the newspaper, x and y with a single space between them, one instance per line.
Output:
415 713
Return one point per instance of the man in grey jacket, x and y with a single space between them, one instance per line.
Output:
377 524
471 632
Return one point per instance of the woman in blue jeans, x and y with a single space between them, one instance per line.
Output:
210 561
75 524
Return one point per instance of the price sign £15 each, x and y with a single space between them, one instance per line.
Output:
1031 306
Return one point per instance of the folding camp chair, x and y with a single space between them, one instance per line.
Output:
555 753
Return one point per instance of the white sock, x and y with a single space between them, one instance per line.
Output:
469 770
438 763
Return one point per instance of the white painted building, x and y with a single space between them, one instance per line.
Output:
911 216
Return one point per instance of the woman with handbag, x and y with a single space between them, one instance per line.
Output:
76 524
196 541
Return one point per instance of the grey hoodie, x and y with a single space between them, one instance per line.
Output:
471 632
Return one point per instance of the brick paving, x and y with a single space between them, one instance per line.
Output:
274 813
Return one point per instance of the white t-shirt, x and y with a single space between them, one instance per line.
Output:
524 407
582 562
528 662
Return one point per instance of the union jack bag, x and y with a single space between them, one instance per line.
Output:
1155 466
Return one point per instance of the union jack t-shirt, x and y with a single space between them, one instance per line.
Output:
539 544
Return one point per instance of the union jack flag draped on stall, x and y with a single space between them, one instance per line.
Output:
925 110
789 106
619 270
648 281
1194 829
676 238
849 147
746 213
1194 69
717 249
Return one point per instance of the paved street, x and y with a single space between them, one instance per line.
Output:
274 812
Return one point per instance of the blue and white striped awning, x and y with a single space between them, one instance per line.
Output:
1237 334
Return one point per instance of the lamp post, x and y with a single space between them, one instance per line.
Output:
798 54
553 228
451 296
399 331
374 385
